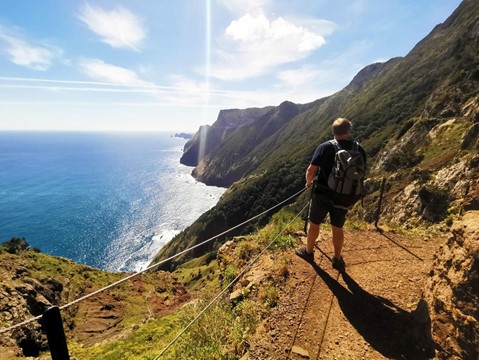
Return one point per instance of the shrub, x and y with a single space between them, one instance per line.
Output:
284 242
229 275
269 295
247 249
402 160
15 245
435 202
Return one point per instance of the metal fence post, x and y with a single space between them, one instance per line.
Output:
378 210
53 325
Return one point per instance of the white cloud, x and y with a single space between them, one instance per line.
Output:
318 26
101 71
187 90
118 28
257 45
244 6
324 78
23 53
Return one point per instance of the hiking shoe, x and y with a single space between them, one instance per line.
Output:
338 264
302 253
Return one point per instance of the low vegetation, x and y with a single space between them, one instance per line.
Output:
222 331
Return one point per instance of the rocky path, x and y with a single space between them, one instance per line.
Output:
369 312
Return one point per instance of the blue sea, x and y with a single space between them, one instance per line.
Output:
108 200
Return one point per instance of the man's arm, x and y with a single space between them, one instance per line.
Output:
310 174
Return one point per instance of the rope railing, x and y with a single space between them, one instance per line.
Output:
26 322
247 267
21 324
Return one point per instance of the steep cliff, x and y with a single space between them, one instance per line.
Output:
208 138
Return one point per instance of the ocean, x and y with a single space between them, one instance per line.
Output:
108 200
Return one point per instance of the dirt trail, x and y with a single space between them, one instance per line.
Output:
365 313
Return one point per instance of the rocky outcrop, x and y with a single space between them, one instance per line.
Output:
432 176
452 293
21 302
202 143
208 138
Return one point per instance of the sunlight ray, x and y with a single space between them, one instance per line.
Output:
203 134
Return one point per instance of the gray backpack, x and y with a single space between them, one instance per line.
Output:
347 175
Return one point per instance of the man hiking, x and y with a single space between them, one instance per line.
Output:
335 192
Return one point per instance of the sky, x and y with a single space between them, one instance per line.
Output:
172 65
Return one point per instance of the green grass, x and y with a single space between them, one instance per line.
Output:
144 342
356 225
198 277
280 228
445 145
220 333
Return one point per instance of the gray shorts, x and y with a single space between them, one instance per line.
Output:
322 205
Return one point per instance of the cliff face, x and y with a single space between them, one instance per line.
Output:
203 142
208 138
452 292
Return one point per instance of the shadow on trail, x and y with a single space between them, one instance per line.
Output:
392 331
383 233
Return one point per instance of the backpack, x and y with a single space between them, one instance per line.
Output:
347 175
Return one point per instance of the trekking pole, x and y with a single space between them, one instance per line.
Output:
309 205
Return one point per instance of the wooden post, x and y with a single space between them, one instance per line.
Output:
378 210
57 342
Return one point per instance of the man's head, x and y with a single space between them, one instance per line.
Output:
342 128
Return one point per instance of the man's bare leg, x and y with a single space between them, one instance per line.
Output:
313 232
338 241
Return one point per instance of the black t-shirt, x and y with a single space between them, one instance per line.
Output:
324 158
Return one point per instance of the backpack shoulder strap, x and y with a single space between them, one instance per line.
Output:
335 144
355 146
